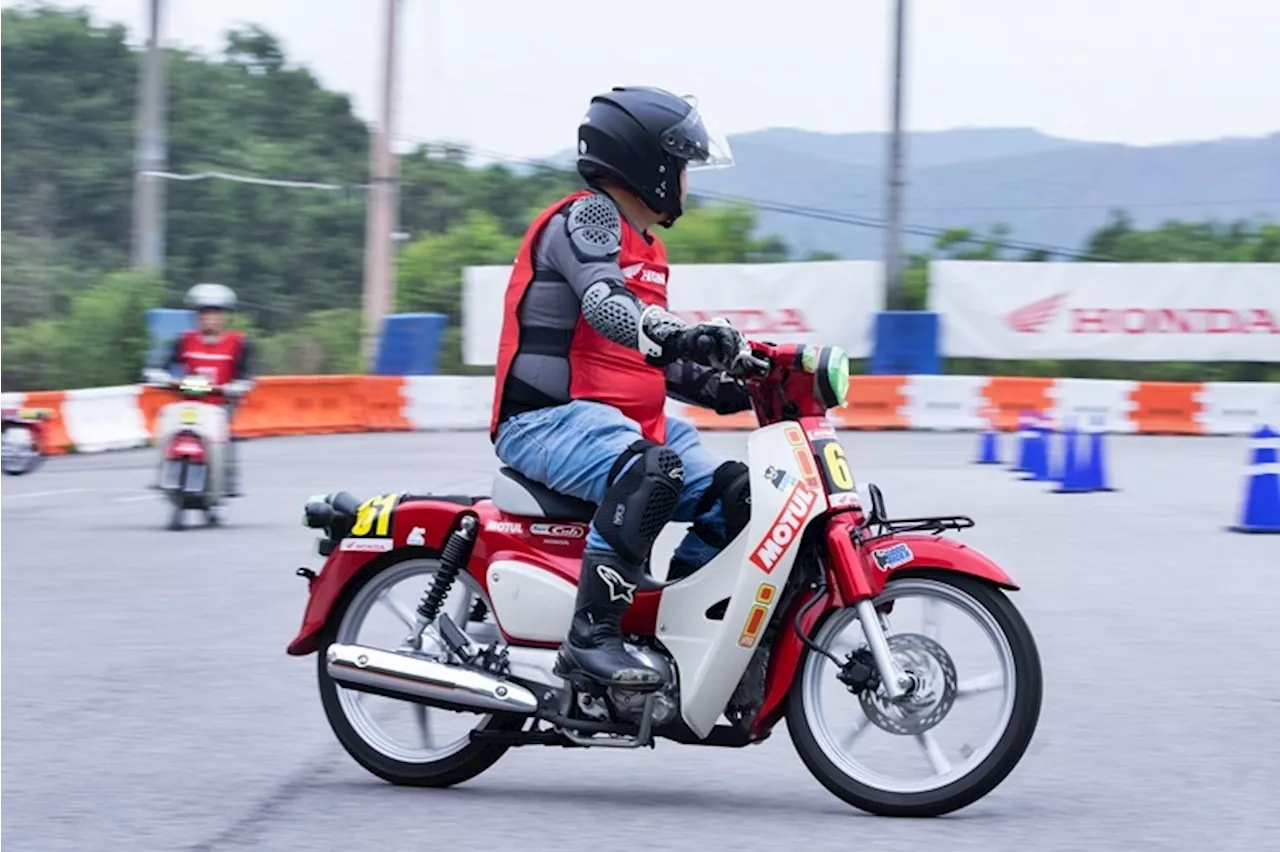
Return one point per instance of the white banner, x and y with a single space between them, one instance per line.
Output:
1108 311
821 302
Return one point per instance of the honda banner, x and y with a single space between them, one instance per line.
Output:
819 302
1108 311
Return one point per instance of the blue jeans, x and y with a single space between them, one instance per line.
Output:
570 448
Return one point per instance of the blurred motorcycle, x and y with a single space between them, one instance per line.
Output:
22 446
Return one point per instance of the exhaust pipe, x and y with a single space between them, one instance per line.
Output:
402 676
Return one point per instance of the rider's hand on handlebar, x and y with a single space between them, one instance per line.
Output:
714 344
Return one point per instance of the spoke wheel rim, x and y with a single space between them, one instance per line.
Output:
819 671
355 704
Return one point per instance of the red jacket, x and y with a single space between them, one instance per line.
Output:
599 369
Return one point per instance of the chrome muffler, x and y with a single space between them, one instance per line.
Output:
402 676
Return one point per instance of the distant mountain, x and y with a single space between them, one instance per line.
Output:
1048 190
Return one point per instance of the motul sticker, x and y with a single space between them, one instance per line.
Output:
559 530
785 528
892 557
366 545
508 527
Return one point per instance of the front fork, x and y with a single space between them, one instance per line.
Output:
853 585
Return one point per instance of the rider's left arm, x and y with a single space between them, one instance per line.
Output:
704 387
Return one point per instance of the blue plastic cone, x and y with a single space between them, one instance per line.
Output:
1037 466
988 448
1261 512
1097 467
1026 436
1073 478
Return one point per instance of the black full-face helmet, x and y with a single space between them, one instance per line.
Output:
643 138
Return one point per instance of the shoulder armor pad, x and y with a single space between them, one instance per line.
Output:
594 228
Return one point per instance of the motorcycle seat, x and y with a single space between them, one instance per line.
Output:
517 494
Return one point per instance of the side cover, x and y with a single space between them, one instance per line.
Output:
712 654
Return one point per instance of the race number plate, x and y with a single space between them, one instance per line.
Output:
836 475
373 519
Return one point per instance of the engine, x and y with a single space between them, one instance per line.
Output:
629 705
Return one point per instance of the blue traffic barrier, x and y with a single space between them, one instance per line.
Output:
410 344
1261 510
906 344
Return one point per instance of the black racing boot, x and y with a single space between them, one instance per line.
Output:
606 587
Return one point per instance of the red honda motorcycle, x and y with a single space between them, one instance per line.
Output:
820 611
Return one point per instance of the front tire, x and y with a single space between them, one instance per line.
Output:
376 752
809 738
20 457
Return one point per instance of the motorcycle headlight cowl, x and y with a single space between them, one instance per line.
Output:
830 368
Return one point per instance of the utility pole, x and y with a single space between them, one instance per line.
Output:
150 154
380 209
893 214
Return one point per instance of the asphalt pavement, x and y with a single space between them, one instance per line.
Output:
148 703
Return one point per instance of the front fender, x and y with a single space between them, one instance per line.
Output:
906 552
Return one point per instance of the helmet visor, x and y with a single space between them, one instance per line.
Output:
697 141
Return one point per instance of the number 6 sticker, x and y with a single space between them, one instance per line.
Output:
835 467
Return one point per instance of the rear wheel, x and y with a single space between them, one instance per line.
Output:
400 741
863 748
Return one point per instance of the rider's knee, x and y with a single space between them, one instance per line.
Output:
644 488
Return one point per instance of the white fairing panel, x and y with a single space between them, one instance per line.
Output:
530 603
206 420
786 494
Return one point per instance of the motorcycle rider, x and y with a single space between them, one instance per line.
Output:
213 351
588 354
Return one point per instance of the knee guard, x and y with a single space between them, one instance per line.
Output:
731 487
638 503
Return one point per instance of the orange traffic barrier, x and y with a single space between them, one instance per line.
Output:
1012 395
706 420
54 428
1166 408
875 402
382 404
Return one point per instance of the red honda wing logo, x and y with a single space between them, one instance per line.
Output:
1032 318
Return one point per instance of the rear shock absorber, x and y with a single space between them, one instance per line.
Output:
453 558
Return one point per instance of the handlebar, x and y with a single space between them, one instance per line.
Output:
745 364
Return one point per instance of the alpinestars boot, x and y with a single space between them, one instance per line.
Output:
606 587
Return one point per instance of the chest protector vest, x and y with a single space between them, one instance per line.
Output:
216 360
599 369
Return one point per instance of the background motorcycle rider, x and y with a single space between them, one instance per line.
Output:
588 354
211 350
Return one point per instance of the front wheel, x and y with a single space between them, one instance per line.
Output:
400 741
864 748
20 452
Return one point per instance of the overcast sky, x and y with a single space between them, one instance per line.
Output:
513 76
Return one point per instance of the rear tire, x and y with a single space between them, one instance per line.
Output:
987 775
462 765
